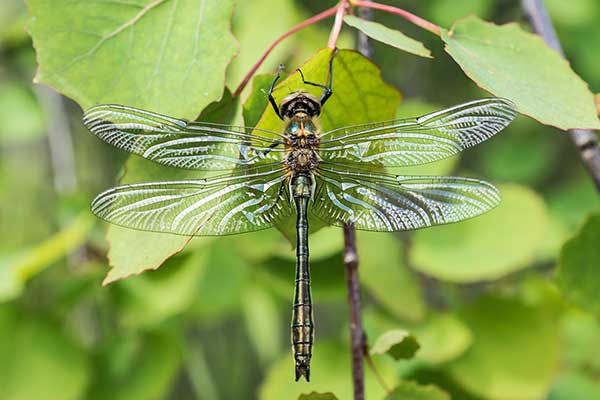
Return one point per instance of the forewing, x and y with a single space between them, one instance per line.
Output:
180 143
249 201
398 203
422 140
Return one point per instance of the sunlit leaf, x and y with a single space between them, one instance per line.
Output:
493 245
359 96
398 343
132 252
515 352
577 274
414 391
111 52
509 62
391 37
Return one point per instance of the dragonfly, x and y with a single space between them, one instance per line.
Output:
336 177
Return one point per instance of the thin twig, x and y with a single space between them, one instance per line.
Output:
378 376
337 24
357 334
327 13
364 46
420 22
585 140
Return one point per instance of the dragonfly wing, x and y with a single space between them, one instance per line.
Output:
418 141
220 206
180 143
398 203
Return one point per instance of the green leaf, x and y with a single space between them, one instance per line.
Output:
413 391
515 352
37 361
398 343
317 396
112 52
151 298
391 37
137 368
132 252
359 96
488 247
384 273
441 337
509 62
330 371
577 274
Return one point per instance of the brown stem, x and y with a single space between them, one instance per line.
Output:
364 46
316 18
585 140
420 22
357 334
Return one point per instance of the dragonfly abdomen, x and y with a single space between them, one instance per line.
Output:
302 313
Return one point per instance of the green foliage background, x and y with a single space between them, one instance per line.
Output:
492 317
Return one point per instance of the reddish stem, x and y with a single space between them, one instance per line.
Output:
327 13
337 25
431 27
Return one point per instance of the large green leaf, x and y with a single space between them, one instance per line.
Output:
37 361
132 252
391 37
577 275
487 247
112 52
359 96
512 63
515 353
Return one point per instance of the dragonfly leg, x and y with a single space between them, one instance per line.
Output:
271 98
327 89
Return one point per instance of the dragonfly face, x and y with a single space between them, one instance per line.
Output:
302 172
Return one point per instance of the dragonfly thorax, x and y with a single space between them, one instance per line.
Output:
302 143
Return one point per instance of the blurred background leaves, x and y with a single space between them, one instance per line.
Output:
480 297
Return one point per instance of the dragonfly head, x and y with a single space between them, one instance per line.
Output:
300 103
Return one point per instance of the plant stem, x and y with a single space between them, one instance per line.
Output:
316 18
584 140
420 22
364 46
337 24
357 335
